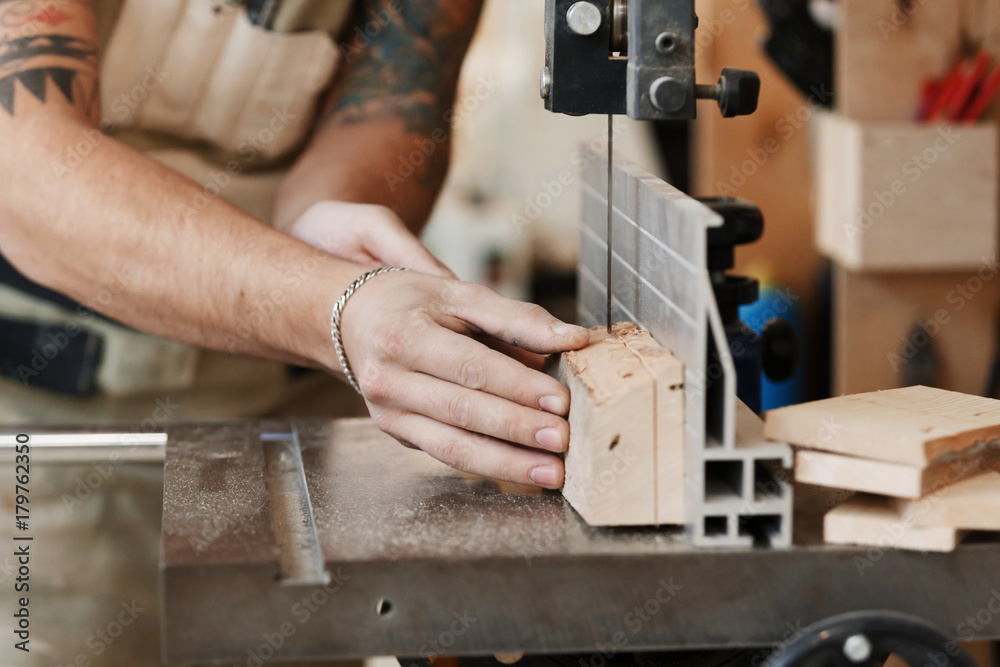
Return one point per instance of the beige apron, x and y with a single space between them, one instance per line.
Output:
187 86
194 85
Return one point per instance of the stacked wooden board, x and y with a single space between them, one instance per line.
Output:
924 460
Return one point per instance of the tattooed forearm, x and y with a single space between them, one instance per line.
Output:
36 61
403 61
386 139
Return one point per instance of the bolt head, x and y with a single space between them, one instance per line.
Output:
857 648
584 18
668 94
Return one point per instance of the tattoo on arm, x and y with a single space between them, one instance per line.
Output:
37 61
403 60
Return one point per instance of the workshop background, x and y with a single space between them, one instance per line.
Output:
863 312
870 316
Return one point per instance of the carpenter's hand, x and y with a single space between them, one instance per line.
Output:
366 234
430 384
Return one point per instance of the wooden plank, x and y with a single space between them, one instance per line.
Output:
873 521
886 322
886 478
901 196
913 425
616 385
972 504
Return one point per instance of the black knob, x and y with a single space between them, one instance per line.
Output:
739 91
742 223
779 350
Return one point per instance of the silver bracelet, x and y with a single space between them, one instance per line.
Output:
338 308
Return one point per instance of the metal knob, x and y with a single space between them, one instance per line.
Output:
737 92
584 18
742 223
779 351
668 94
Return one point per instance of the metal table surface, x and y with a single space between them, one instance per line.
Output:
425 560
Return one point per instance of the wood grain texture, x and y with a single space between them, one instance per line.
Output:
883 52
668 419
912 425
884 321
901 196
871 520
972 504
886 478
618 431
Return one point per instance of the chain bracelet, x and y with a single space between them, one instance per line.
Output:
338 308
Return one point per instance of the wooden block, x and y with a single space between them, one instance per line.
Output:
884 50
618 385
873 521
972 504
885 478
886 323
913 425
668 418
905 196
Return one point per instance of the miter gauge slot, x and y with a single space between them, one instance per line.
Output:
300 558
